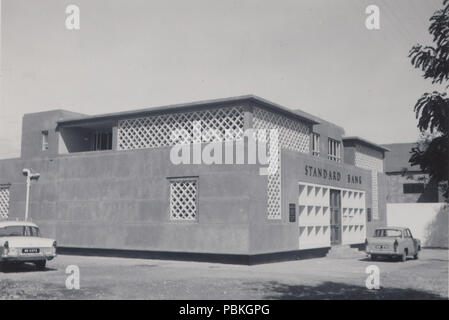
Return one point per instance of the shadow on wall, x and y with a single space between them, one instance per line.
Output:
340 291
437 231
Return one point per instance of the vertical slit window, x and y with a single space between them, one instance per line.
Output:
334 150
316 144
44 140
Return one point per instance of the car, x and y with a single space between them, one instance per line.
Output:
21 242
393 242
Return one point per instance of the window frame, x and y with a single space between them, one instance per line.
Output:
45 144
413 189
183 179
316 147
333 150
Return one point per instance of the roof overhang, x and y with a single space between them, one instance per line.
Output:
191 106
365 142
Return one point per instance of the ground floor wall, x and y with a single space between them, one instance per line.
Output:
305 221
121 200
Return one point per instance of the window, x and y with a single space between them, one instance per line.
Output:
380 233
413 187
102 141
368 214
292 212
316 144
184 199
334 149
44 140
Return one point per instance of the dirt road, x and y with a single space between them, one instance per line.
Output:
321 278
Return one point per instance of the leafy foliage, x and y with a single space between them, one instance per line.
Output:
432 109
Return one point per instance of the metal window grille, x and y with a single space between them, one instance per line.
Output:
183 200
4 202
316 144
334 150
101 141
156 131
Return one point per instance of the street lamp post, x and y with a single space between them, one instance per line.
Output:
29 176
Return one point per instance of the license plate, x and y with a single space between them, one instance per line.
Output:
381 247
30 250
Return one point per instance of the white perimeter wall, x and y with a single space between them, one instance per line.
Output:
427 221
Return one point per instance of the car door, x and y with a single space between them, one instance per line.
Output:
414 244
408 242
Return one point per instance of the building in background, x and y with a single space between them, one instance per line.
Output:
108 182
413 199
406 183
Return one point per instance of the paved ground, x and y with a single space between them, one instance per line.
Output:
321 278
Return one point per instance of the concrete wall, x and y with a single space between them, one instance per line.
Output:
120 199
32 126
381 203
281 235
427 221
395 189
328 130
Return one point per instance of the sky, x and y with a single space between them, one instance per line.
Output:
314 55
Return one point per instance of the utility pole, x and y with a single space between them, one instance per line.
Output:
29 176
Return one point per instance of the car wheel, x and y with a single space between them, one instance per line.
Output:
404 256
416 256
40 265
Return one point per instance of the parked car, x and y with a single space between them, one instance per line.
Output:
394 242
21 242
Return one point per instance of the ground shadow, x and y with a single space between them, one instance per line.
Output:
340 291
23 268
385 259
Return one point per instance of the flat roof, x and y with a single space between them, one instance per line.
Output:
188 106
318 119
366 142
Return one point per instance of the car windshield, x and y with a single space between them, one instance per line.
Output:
19 231
387 233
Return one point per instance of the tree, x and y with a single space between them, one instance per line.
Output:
432 109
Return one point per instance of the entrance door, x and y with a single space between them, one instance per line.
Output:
335 214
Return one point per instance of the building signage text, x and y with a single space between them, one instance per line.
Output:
332 175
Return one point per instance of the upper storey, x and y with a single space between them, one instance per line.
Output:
365 154
204 121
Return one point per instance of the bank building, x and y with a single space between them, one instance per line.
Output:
107 184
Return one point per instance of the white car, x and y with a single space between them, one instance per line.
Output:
21 242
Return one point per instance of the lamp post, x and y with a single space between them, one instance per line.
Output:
29 176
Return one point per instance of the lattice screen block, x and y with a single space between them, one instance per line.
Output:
374 164
292 135
274 194
183 200
4 202
156 131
